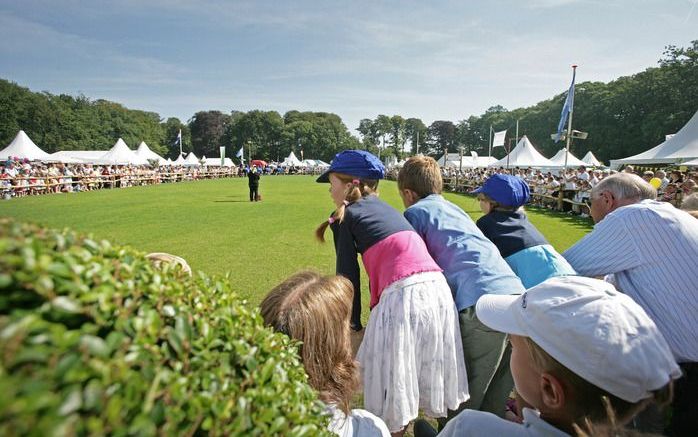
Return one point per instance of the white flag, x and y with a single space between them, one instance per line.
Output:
499 138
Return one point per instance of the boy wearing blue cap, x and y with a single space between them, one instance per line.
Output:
505 223
473 267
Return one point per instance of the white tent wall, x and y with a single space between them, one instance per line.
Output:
144 152
524 155
23 147
683 146
572 161
591 160
292 161
120 154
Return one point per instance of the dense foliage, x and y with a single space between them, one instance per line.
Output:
622 117
96 340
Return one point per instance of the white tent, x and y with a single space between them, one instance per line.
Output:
120 154
691 163
454 160
683 146
145 152
23 147
572 161
77 156
179 160
169 162
191 160
524 155
591 160
292 161
315 163
216 162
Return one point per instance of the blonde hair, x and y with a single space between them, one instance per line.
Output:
160 258
361 188
422 175
586 401
315 310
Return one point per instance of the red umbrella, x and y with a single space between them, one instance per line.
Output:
259 163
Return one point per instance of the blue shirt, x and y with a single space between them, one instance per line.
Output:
650 248
471 263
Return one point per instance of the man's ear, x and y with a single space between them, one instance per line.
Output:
552 392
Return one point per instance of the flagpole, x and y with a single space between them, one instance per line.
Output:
569 122
180 142
516 140
489 152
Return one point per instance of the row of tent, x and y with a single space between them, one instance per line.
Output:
678 149
24 148
523 155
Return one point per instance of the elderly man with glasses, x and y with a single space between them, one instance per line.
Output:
649 250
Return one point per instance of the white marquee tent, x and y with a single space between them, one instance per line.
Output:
120 154
691 163
682 146
453 160
77 156
144 152
591 160
23 147
524 155
572 161
292 161
216 162
191 160
179 160
315 163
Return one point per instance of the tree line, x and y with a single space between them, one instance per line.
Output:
622 117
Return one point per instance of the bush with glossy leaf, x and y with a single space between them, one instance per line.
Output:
95 340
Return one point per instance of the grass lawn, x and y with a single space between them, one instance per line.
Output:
213 225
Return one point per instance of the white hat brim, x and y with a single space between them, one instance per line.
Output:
501 312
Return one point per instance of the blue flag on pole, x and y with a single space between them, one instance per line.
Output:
566 108
240 153
179 138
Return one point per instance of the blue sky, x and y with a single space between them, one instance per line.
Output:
438 60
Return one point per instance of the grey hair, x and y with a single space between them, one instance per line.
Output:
690 203
626 186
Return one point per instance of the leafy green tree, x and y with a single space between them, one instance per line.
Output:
442 136
207 132
416 132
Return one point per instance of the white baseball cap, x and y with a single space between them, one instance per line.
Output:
592 329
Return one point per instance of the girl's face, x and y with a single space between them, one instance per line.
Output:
338 189
485 206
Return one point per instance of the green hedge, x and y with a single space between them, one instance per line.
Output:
95 340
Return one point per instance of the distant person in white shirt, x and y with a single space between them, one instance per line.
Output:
315 309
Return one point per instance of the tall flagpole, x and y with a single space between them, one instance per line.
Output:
569 122
516 141
180 142
489 152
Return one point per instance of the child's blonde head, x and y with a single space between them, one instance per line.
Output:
586 402
422 175
315 310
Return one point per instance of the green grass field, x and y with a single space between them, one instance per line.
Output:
216 229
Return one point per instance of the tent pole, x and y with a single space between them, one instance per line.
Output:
489 151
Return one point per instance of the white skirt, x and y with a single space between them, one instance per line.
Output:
411 356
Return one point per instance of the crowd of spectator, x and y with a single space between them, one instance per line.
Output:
575 184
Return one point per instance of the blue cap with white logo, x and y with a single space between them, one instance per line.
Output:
506 190
358 163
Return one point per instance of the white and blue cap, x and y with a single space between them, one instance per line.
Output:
358 163
506 190
589 327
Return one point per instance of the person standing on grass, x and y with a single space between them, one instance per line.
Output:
473 267
253 182
411 354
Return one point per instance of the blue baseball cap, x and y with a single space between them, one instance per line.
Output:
506 190
358 163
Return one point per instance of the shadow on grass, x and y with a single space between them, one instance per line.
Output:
230 201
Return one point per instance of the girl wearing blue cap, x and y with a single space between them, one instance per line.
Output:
505 223
411 355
